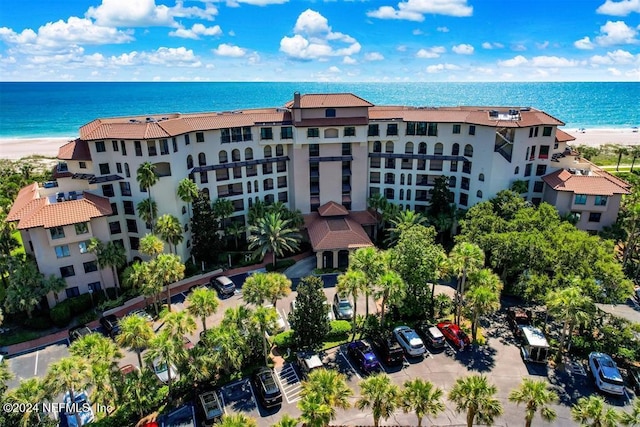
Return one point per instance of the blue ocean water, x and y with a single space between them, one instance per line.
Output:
35 110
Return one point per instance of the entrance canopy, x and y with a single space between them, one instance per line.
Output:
335 228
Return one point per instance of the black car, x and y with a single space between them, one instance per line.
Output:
364 356
431 335
266 387
223 285
110 325
389 350
79 332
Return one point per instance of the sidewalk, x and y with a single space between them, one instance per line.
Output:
38 343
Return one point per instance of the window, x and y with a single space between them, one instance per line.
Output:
455 149
82 228
72 292
174 142
125 188
123 147
267 168
541 170
472 131
90 266
67 271
346 149
62 251
187 140
94 286
267 152
164 147
114 209
189 161
392 129
248 154
422 148
127 172
432 129
132 226
119 167
533 153
330 112
468 150
527 169
223 157
601 201
454 166
84 246
479 194
516 171
350 131
104 168
374 177
138 147
286 132
408 148
456 129
282 181
114 227
580 199
544 152
314 150
526 155
435 165
594 216
199 136
202 159
151 148
530 132
204 177
464 199
114 144
374 130
100 148
128 207
107 190
266 133
438 149
546 131
279 150
83 165
464 184
538 186
313 133
481 177
388 147
466 167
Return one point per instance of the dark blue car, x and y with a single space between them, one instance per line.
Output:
364 356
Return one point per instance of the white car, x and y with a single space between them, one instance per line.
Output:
409 341
162 370
606 373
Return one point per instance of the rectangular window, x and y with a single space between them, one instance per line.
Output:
72 292
314 150
84 246
100 148
464 199
392 129
128 207
90 266
83 165
199 136
164 147
282 181
114 209
174 142
266 133
151 148
580 199
114 227
313 133
67 271
466 167
435 165
350 131
538 186
62 251
124 148
454 166
594 216
107 190
527 169
533 153
267 168
94 286
82 228
601 201
346 149
236 134
374 130
541 170
456 129
411 128
104 168
204 177
119 167
421 128
225 136
472 130
138 147
134 242
544 152
432 129
374 177
187 139
114 144
546 131
530 132
125 188
246 134
464 184
132 226
286 132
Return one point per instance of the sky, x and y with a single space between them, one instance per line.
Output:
330 40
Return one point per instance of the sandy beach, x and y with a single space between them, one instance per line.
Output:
18 148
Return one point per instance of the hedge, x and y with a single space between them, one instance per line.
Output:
340 330
283 339
280 265
61 315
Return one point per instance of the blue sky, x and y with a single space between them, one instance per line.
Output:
337 40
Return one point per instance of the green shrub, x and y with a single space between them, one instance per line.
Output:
79 304
280 265
60 315
38 323
340 330
87 317
283 339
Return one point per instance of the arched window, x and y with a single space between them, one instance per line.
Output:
409 180
388 148
267 151
248 154
331 133
202 159
479 194
205 193
235 155
222 157
189 162
452 181
438 149
249 187
377 147
279 150
401 194
422 148
516 171
468 150
481 177
256 188
127 172
408 148
455 149
401 179
408 196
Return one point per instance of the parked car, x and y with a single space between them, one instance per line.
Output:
409 341
82 405
266 387
79 332
162 370
223 285
279 324
431 335
517 317
211 407
390 351
342 308
308 361
454 334
364 356
605 373
110 325
142 313
128 369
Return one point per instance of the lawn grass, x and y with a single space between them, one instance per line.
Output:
19 251
17 336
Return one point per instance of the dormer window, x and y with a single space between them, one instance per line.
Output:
330 112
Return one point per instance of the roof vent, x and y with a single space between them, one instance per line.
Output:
493 114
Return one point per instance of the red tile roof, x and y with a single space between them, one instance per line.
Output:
325 100
335 233
74 150
332 209
562 136
31 210
597 183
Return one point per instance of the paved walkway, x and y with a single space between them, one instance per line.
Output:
38 343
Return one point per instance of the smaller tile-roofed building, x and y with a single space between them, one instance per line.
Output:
75 150
586 182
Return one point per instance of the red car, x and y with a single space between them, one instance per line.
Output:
454 334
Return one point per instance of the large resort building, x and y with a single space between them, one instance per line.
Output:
324 154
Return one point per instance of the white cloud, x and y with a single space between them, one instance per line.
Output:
373 56
614 71
518 47
513 62
583 44
431 52
144 13
492 45
414 10
196 31
402 48
236 3
442 29
417 32
542 45
314 39
553 62
483 70
463 49
172 57
613 33
334 69
619 8
349 60
442 67
229 50
616 57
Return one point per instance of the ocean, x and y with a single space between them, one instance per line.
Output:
42 110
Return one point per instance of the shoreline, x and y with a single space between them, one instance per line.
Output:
17 148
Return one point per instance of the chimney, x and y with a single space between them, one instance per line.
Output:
296 99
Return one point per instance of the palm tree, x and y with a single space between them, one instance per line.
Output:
286 421
68 375
167 269
272 233
29 392
423 398
163 348
202 302
265 318
110 255
620 151
464 258
483 297
402 220
235 229
573 307
222 209
331 386
187 192
169 229
390 287
474 395
229 345
147 210
135 334
5 375
314 411
237 420
151 245
635 153
254 289
379 394
147 178
178 324
352 283
536 396
591 411
141 389
632 418
371 262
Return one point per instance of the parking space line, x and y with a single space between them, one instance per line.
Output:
355 371
290 389
224 405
